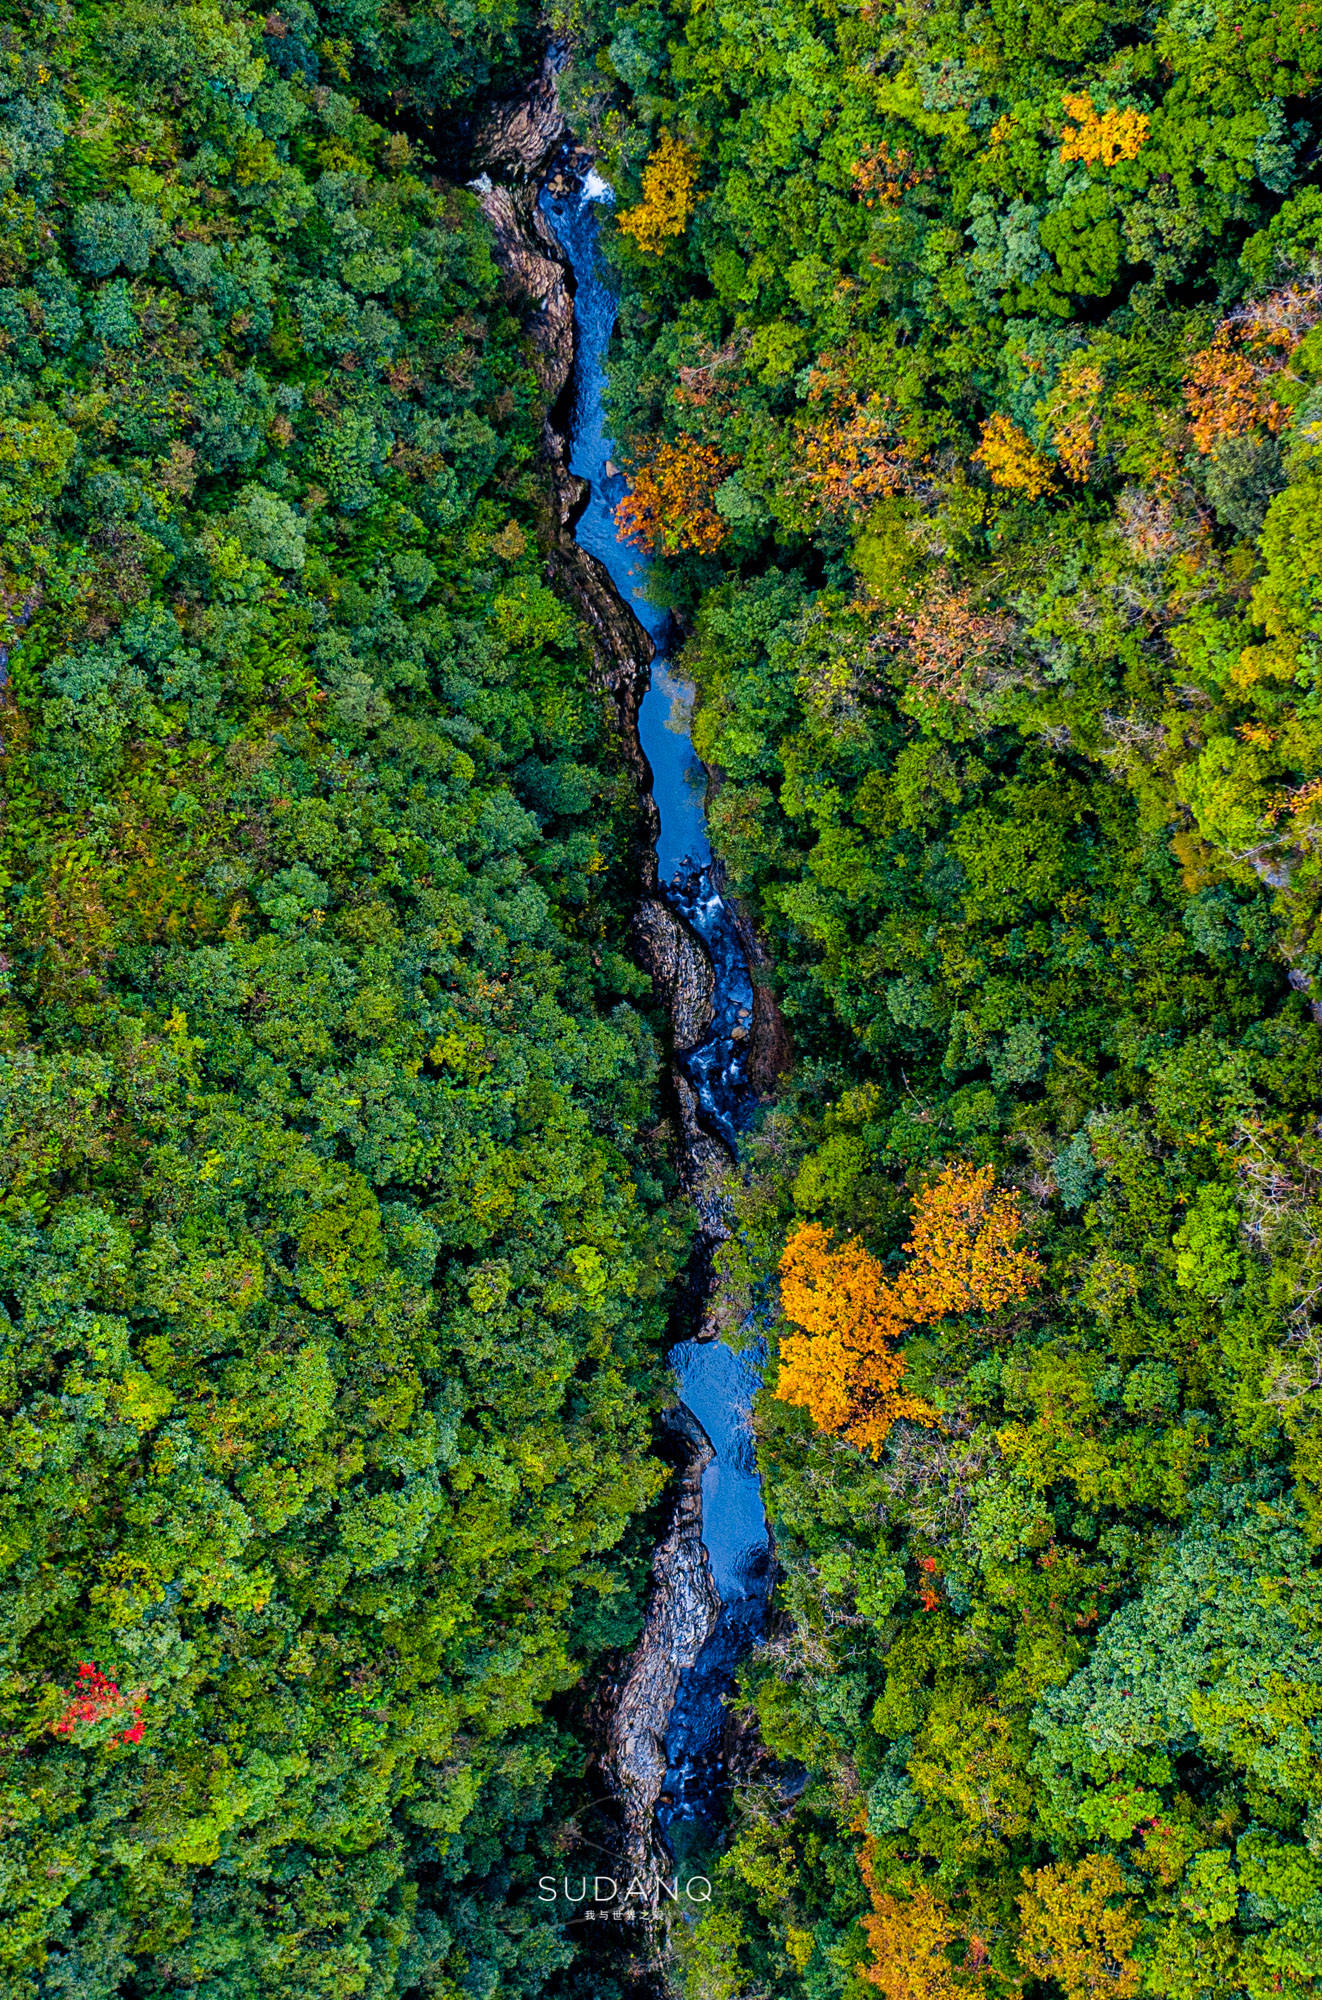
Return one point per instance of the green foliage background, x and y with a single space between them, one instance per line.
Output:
333 1252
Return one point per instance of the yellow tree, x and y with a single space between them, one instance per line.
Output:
842 1363
964 1254
669 179
844 1366
1079 1927
1012 460
1074 411
909 1940
1101 139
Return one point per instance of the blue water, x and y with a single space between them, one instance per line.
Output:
716 1384
679 783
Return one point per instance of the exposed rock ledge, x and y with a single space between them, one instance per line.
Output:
680 968
528 258
681 1614
515 137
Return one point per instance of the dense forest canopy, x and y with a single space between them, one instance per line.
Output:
969 371
970 364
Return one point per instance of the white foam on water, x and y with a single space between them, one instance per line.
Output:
595 188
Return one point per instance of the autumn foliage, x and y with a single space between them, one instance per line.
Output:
1230 387
1011 460
709 382
1073 411
844 1365
1079 1928
97 1699
852 456
1101 140
951 646
909 1940
1229 394
883 174
668 183
670 506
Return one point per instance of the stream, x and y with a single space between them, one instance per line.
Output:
715 1384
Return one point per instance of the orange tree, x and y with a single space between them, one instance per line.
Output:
844 1365
671 504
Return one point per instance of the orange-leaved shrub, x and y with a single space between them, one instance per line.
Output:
952 647
851 456
882 176
842 1363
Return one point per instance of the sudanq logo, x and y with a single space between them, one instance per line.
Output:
604 1896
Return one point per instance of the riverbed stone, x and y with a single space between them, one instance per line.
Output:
681 970
682 1610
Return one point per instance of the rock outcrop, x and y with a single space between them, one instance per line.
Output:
681 971
507 155
533 273
515 137
681 1614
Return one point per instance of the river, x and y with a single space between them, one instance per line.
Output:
715 1384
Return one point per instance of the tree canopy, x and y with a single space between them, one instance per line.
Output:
333 1243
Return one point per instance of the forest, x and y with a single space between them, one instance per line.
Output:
335 1233
968 375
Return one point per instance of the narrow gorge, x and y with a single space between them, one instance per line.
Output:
712 1571
666 1726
